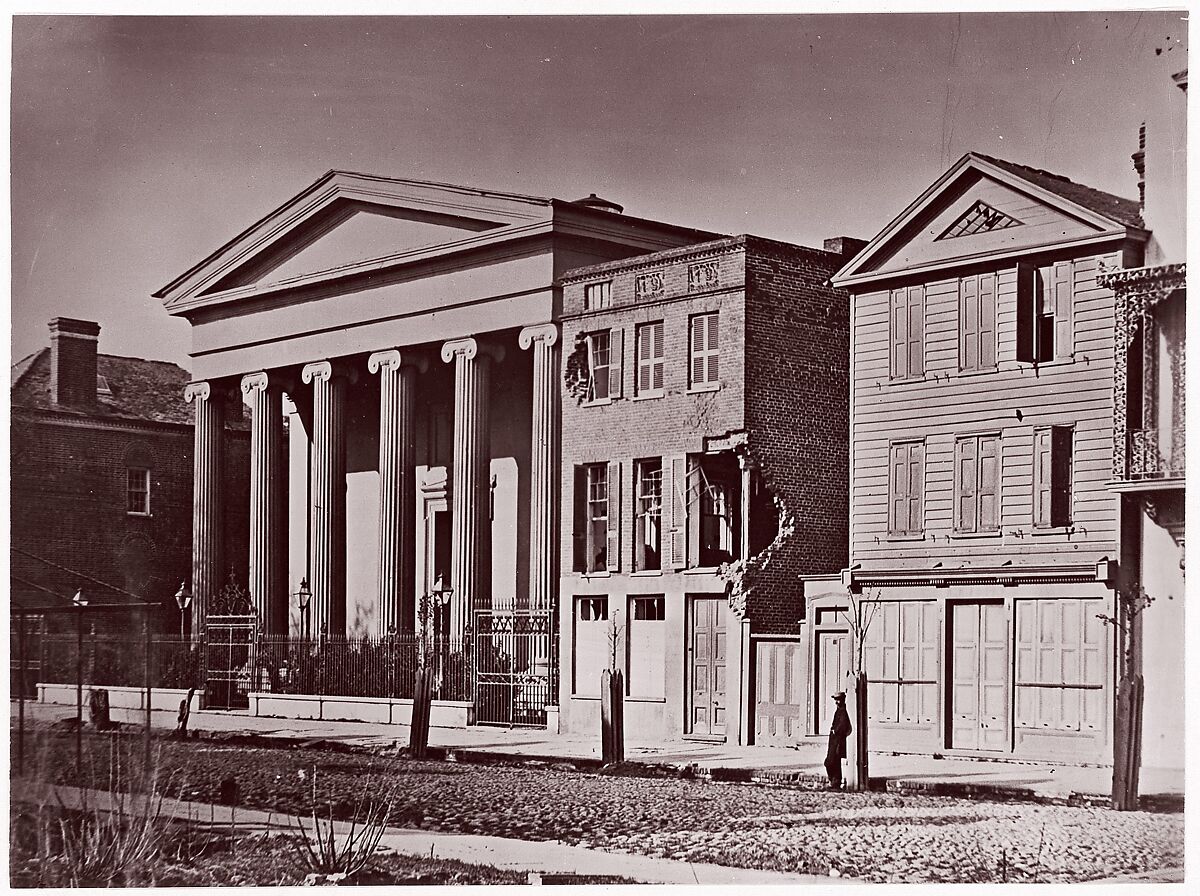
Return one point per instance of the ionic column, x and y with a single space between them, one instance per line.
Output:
397 489
207 528
327 529
268 503
470 542
543 465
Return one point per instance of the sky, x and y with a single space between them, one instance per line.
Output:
139 145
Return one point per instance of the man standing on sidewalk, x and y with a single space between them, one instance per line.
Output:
838 732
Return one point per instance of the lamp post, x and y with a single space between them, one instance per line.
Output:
183 598
441 594
304 598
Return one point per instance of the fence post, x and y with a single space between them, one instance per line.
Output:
612 716
146 672
79 694
322 640
21 696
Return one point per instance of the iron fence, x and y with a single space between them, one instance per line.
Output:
116 661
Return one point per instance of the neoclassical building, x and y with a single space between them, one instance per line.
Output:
400 337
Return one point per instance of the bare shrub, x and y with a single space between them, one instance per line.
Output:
323 851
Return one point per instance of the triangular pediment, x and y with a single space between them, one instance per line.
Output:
975 210
346 220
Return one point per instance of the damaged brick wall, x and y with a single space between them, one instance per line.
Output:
797 410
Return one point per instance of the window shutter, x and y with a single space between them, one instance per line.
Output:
614 516
656 379
989 483
899 335
966 505
644 357
916 331
616 354
1042 478
898 516
1064 295
987 321
713 343
579 522
1026 312
1061 463
916 487
676 491
968 323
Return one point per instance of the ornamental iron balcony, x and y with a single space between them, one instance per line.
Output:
1147 460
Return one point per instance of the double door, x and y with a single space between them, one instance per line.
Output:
980 695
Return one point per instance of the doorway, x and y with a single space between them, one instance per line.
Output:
706 660
980 685
833 665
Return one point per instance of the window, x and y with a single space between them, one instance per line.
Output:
138 492
977 484
597 517
717 543
591 654
1052 473
646 648
1061 665
977 322
648 546
650 358
1045 300
604 365
906 488
597 296
705 341
907 327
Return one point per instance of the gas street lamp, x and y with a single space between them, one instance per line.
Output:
304 598
183 598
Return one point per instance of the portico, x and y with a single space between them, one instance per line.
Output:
397 343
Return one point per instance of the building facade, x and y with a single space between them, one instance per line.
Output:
101 467
703 469
985 541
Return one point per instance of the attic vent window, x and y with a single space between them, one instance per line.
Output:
981 218
102 386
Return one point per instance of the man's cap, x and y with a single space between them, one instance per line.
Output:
840 695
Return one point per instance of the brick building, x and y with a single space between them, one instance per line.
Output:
984 535
101 476
704 468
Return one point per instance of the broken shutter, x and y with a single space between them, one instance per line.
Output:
616 355
1064 295
987 321
916 331
676 491
988 487
1027 277
579 521
966 503
1061 445
968 323
613 552
899 335
1042 478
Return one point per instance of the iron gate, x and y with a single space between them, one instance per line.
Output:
229 657
515 666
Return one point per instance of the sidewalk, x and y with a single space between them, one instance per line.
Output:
546 857
728 762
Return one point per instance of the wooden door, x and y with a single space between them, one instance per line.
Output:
779 692
707 653
979 677
833 665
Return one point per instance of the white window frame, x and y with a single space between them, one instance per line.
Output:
597 296
599 344
650 366
143 491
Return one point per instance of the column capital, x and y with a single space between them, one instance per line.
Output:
201 390
253 382
469 348
545 333
394 359
326 371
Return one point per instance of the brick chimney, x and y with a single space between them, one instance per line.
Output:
73 360
845 246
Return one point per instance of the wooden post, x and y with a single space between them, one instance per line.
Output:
857 766
418 735
1127 744
21 695
146 681
612 716
79 694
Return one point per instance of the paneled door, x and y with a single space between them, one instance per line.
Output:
980 677
833 665
706 655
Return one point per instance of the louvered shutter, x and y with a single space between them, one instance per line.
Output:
899 335
966 504
676 492
968 323
987 321
1064 295
916 486
1027 277
579 522
1042 478
916 330
699 325
656 379
988 487
713 343
645 357
613 552
616 355
1061 462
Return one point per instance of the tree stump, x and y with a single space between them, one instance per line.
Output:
98 713
612 716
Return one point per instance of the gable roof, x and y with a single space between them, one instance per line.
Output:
144 391
1110 215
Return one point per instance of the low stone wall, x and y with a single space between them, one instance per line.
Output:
388 711
119 697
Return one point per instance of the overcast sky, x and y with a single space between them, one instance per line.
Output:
140 145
